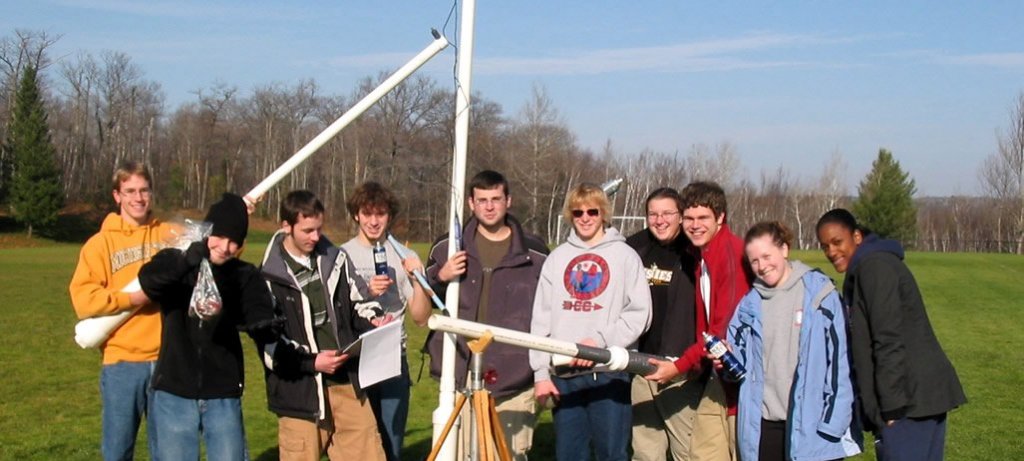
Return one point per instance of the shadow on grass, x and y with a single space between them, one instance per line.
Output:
271 454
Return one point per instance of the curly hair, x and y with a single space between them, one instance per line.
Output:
372 195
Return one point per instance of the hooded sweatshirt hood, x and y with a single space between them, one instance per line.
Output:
873 244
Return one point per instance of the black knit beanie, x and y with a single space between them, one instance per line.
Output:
229 217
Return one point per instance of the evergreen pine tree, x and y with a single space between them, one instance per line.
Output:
35 194
885 203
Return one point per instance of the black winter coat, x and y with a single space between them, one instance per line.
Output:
294 388
900 368
203 360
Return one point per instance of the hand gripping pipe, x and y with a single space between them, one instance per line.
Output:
615 358
418 274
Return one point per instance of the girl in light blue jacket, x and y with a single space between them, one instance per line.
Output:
789 331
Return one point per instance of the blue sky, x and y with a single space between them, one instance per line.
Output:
787 83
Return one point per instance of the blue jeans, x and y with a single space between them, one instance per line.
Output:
180 421
390 402
126 396
593 410
912 439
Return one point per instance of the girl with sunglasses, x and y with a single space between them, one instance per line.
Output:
592 291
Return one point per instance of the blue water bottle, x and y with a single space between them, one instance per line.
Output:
732 367
380 259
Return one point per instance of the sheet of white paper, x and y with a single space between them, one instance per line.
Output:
380 356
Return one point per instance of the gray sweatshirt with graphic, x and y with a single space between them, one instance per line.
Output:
597 292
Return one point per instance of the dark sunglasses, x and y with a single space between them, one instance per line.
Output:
590 212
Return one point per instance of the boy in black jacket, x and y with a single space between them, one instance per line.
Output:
311 386
199 376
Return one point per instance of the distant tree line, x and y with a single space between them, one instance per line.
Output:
103 109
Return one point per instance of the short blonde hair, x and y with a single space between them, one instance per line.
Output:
588 193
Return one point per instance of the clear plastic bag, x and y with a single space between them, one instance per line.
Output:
183 235
206 301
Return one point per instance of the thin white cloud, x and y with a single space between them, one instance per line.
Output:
147 8
392 60
709 55
1011 60
1014 61
700 56
179 9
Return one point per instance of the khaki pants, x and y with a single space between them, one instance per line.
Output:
714 431
518 417
663 418
354 436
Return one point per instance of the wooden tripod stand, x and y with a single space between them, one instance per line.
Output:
487 438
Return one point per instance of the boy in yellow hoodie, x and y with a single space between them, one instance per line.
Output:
108 262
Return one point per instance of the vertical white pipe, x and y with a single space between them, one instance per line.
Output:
463 89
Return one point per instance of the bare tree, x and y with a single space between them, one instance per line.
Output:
1002 173
539 139
720 164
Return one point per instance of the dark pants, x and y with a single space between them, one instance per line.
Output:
773 441
912 439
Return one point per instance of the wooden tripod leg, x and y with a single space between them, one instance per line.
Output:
483 425
499 432
460 400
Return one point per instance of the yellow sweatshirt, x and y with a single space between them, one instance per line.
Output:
107 263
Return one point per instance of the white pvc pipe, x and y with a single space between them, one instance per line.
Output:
502 335
418 273
254 195
613 358
463 89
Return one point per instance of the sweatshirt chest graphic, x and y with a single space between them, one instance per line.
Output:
586 277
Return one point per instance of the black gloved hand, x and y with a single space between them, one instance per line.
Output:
196 252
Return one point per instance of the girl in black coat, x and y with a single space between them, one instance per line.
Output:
906 384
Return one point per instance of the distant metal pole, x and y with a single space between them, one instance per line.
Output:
254 195
463 90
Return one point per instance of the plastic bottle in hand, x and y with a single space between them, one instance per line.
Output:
732 367
380 259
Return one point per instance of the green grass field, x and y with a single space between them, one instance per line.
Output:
50 407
